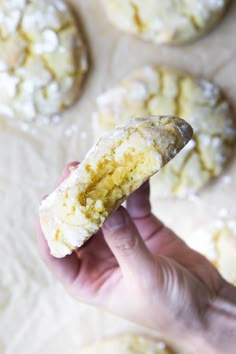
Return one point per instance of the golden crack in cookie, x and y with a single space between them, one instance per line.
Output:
128 344
158 90
42 59
171 21
117 165
218 243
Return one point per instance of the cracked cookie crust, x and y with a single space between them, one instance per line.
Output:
158 90
217 242
128 344
172 21
42 59
118 164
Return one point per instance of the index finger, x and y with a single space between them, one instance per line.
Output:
138 203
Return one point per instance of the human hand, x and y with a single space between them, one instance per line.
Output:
139 269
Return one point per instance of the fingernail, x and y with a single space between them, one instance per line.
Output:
70 167
116 221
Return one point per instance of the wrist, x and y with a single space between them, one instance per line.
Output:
219 325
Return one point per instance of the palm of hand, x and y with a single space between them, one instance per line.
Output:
100 279
171 273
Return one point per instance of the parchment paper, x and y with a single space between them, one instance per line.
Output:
36 314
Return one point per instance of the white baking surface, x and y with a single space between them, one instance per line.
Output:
36 314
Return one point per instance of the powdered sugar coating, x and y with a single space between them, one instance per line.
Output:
165 21
42 59
217 242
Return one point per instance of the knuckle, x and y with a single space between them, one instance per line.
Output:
125 242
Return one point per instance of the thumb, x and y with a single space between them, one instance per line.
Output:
125 242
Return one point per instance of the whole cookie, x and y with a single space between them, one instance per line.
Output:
159 90
218 243
115 167
128 344
42 59
166 21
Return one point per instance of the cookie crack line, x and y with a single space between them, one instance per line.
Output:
48 67
193 20
178 97
141 26
201 157
161 81
160 93
181 172
64 28
148 101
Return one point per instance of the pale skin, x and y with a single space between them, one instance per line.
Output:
139 269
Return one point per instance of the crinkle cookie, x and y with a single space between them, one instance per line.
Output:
128 344
158 90
42 59
218 243
166 21
117 165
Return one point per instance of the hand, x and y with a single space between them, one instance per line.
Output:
137 268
